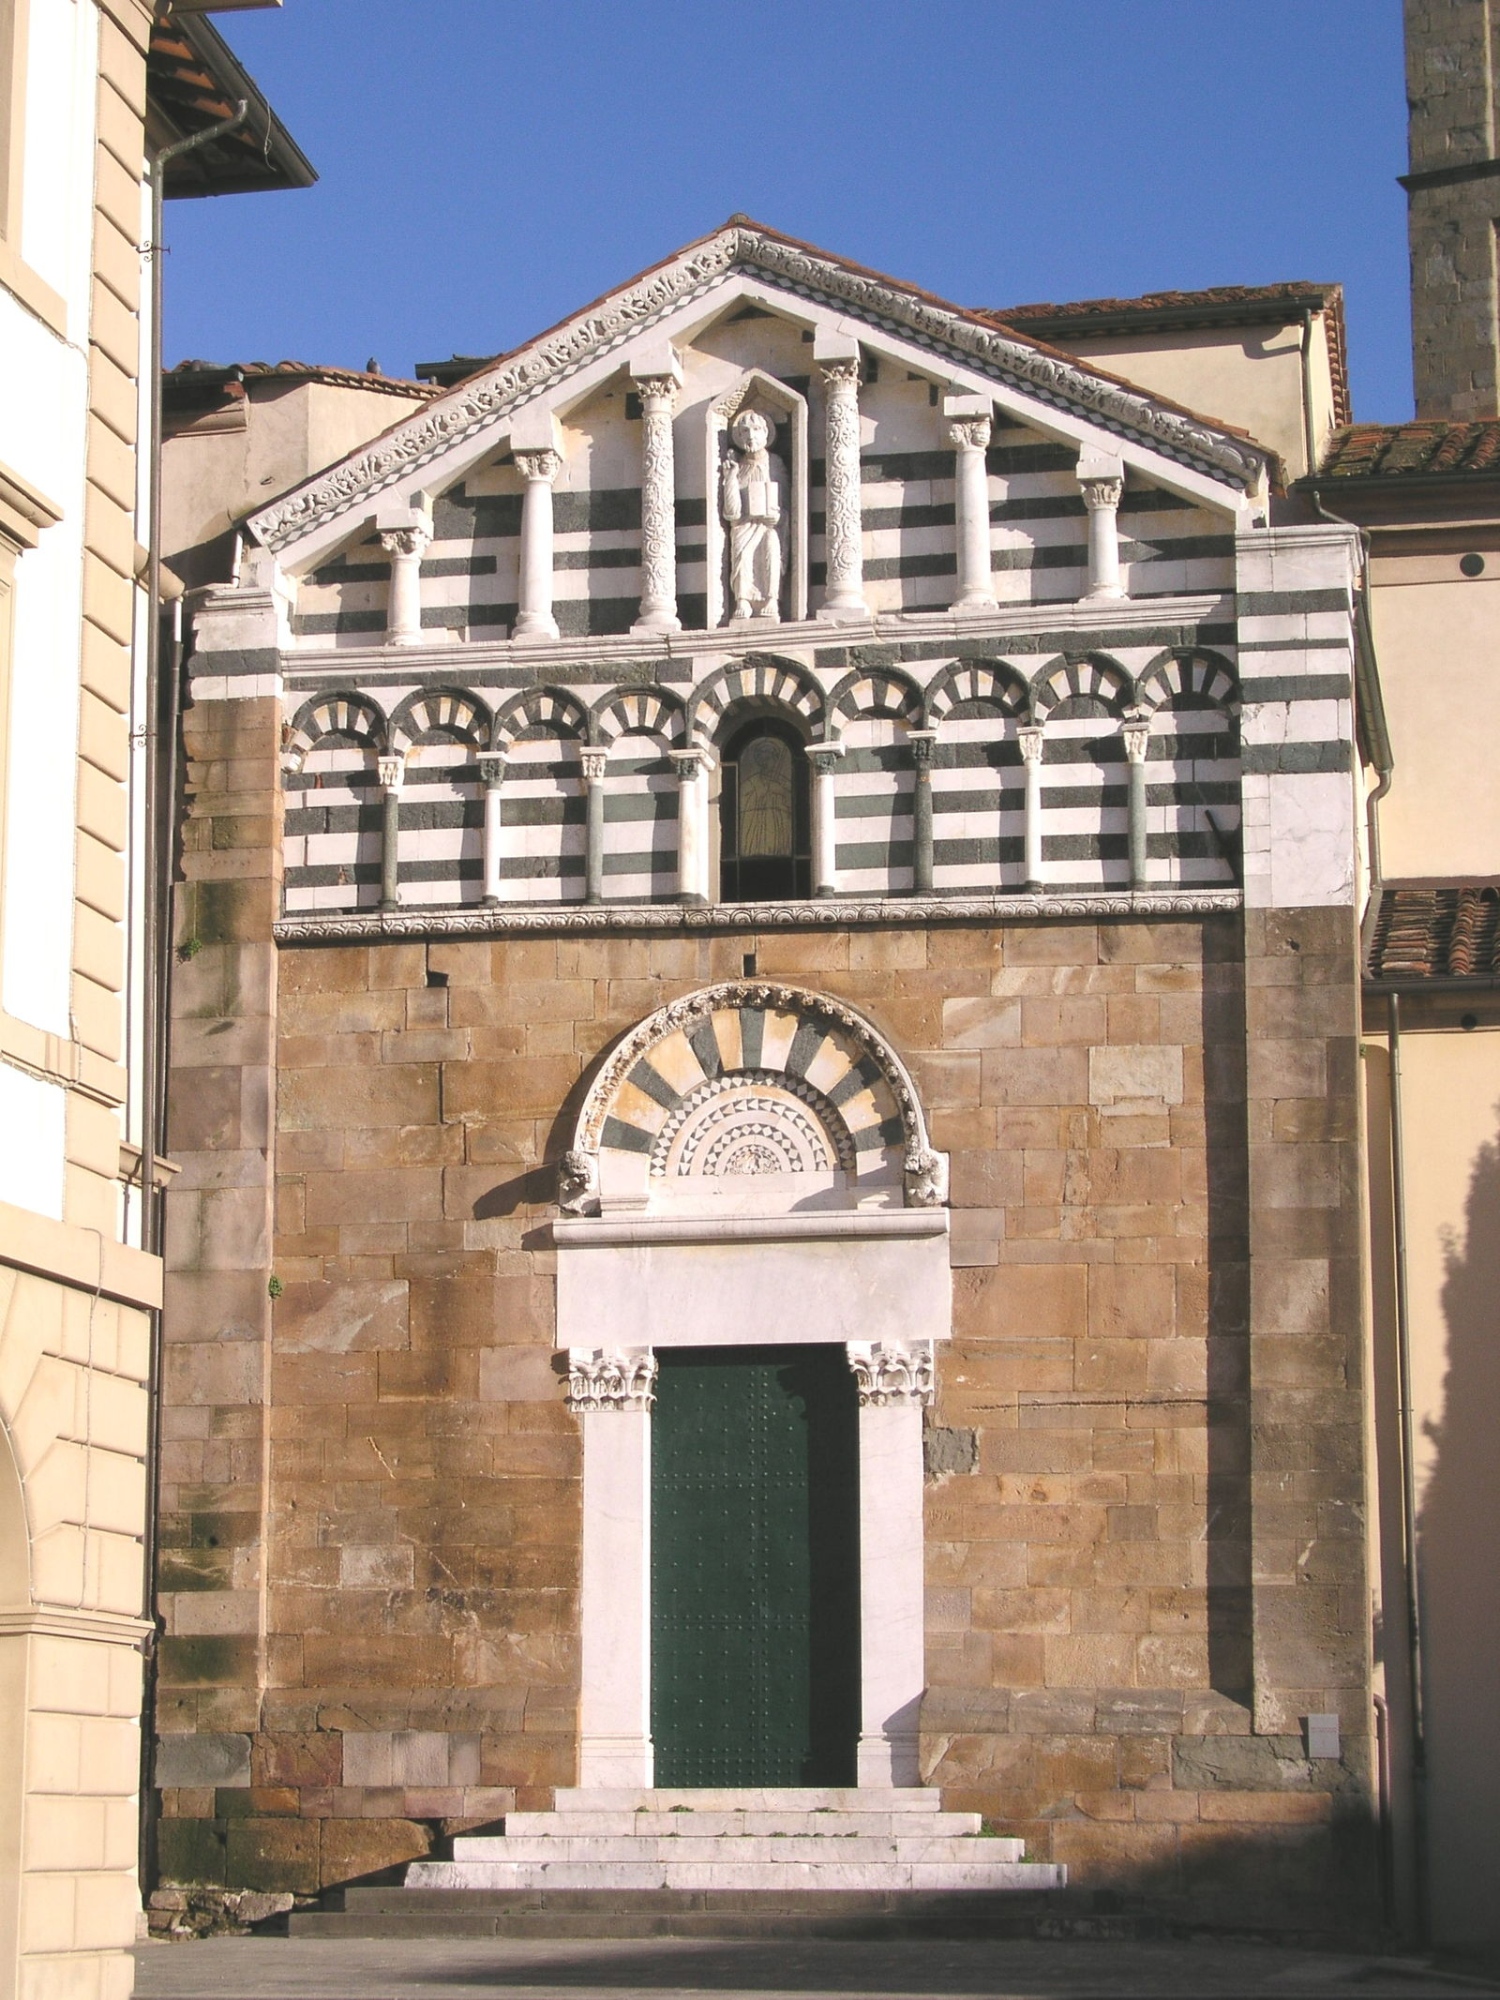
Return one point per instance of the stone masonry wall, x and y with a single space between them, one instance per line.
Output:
1093 1560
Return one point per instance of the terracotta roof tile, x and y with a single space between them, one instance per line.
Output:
1297 292
1429 447
209 374
1427 930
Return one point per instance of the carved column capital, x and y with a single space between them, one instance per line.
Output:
922 742
492 768
408 542
658 393
1102 493
539 466
824 758
611 1379
889 1373
392 770
840 373
970 434
1136 730
695 762
1029 736
595 761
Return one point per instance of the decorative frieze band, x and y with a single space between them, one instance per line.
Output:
899 912
611 1378
887 1374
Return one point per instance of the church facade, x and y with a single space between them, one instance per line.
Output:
766 1084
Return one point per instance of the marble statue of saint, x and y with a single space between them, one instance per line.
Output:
750 502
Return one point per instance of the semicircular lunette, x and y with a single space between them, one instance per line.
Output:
751 1098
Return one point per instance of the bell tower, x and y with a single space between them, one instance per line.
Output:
1453 192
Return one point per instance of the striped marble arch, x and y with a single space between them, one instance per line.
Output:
1081 687
639 712
540 712
874 692
972 688
763 683
747 1081
441 715
1189 680
344 719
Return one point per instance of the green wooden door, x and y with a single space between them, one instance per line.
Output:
755 1567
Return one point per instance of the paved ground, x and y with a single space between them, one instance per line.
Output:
425 1969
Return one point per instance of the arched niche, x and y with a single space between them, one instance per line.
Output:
752 1098
756 390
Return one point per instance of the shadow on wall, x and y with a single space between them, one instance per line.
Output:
1459 1565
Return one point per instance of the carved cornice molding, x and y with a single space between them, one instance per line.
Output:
612 1379
891 1374
827 913
483 402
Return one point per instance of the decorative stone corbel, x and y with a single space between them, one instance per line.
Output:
578 1183
926 1174
888 1374
611 1379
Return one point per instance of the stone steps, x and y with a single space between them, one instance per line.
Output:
750 1798
825 1823
717 1914
831 1873
691 1846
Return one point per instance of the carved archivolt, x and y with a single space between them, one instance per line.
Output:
482 404
752 1077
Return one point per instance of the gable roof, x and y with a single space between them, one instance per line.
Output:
887 306
1219 305
1428 448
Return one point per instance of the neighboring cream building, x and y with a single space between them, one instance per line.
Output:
82 84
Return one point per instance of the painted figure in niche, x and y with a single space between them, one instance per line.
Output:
750 495
767 821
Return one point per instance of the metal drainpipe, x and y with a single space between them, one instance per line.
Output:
1408 1479
155 967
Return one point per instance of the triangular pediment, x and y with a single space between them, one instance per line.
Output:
747 272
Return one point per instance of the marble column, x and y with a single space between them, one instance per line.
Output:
1103 482
492 769
895 1384
1029 735
406 548
922 741
693 767
843 534
611 1394
534 619
1137 735
969 434
658 394
824 759
595 763
392 771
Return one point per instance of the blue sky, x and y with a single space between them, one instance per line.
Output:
488 165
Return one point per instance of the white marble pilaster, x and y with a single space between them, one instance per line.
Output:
1136 732
824 759
612 1393
969 434
1029 735
693 767
492 769
837 356
1102 479
406 547
657 380
895 1383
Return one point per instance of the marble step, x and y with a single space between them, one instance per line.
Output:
852 1849
749 1798
826 1824
822 1873
705 1915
